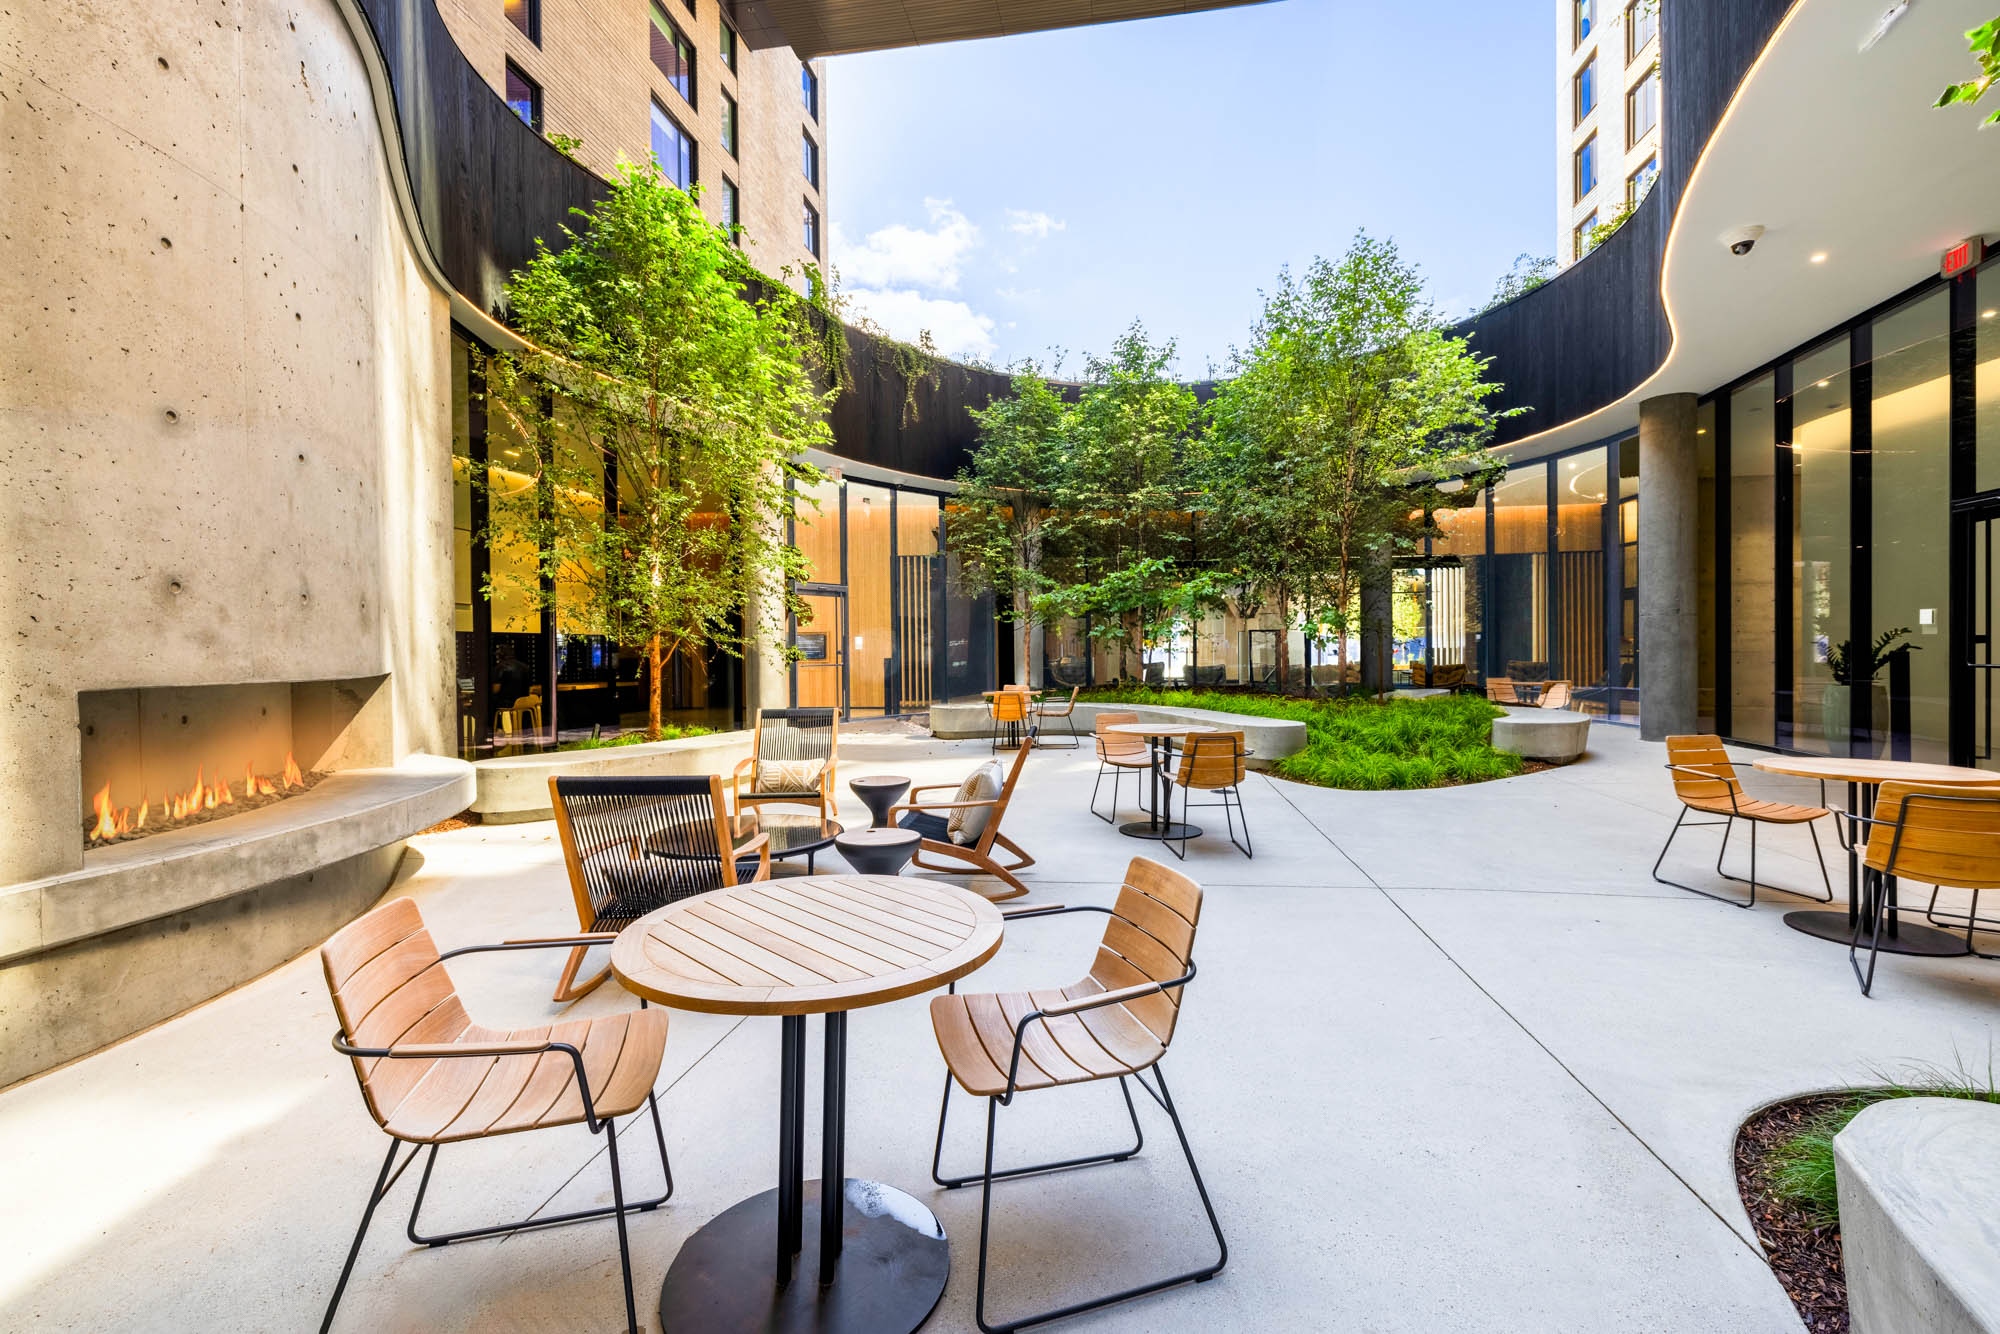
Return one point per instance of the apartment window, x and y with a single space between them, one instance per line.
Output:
812 230
1642 107
690 5
729 124
809 90
524 97
1586 18
1640 181
728 47
729 202
527 16
1580 239
809 159
673 53
1642 25
1585 87
1586 168
673 147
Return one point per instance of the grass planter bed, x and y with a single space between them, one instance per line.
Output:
1364 744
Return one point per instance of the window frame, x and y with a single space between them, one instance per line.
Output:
809 90
1583 21
812 228
534 119
1580 234
1652 164
731 129
533 29
733 215
1585 150
1633 50
731 44
684 51
810 165
693 146
1585 76
1633 134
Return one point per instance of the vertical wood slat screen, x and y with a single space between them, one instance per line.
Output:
914 631
1580 617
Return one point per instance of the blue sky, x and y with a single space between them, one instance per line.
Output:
1042 192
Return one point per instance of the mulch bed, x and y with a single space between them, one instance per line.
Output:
1804 1254
465 819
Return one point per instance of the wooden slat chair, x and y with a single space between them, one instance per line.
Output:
1501 690
1555 695
1705 781
1009 709
1066 710
931 821
1213 762
1115 1023
430 1076
633 844
790 738
1118 754
1943 836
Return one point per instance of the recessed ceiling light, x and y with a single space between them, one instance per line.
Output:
1822 384
1701 430
1988 314
1819 257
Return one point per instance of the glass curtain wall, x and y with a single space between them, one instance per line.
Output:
1752 518
1583 502
870 597
1621 693
1520 619
1821 610
1707 491
1459 566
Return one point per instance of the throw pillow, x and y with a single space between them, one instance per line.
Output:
789 775
969 822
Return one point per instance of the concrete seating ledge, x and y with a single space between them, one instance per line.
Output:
1267 738
515 788
1556 735
1920 1216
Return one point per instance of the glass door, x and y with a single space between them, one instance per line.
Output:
819 677
1979 660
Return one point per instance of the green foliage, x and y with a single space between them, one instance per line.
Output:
1363 744
1845 671
1528 273
566 144
1601 233
644 359
917 364
668 732
1984 42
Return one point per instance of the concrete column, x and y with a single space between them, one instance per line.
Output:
1377 625
1668 502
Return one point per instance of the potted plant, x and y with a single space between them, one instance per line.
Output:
1837 704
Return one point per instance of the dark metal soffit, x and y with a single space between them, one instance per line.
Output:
816 28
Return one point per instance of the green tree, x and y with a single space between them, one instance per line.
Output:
1984 41
1528 273
649 365
1344 415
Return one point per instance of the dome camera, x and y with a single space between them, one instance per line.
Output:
1742 240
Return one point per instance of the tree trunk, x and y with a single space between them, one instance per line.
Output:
1377 622
655 665
1284 640
1024 619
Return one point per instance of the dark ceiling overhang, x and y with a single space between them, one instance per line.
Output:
816 28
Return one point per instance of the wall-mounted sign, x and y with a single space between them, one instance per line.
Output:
812 645
1967 254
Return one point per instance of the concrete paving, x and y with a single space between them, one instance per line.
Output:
1453 1062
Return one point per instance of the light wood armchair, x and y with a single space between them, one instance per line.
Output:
430 1076
1705 782
930 820
1500 690
1212 762
633 844
1065 710
1946 837
1556 695
790 736
1118 754
1115 1023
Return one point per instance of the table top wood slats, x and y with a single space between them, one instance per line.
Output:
1859 769
808 945
1162 729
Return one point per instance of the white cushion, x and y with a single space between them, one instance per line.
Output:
968 823
788 776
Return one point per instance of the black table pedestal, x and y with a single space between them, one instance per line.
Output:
1159 825
876 1265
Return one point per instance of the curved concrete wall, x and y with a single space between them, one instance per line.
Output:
225 420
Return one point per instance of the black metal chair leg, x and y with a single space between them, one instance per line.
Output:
618 1212
1877 896
375 1195
953 1183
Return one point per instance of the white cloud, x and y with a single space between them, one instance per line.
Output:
1018 294
958 330
909 256
1035 223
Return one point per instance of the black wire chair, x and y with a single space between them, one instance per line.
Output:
636 844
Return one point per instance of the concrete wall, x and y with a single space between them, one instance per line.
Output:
224 417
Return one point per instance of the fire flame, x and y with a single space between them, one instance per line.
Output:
115 822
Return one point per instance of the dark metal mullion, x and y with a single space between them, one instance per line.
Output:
1552 577
481 547
1611 535
1781 555
1486 590
1860 533
846 650
1724 576
1962 353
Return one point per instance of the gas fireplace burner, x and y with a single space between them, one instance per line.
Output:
206 800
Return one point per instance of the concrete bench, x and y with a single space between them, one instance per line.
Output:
1920 1216
516 787
1268 739
1556 735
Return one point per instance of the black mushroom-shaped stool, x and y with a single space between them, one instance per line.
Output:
878 792
879 851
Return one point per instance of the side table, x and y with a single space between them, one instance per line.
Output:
879 851
878 793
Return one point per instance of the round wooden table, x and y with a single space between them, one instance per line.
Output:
1863 776
808 945
1157 825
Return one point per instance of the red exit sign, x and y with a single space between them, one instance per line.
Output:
1965 255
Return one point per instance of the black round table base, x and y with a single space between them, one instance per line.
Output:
1163 832
1910 938
892 1269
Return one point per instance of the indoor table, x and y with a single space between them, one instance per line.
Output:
875 1263
1863 777
1157 825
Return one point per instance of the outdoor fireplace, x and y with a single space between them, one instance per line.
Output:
161 758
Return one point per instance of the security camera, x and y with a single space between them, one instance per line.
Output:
1742 240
